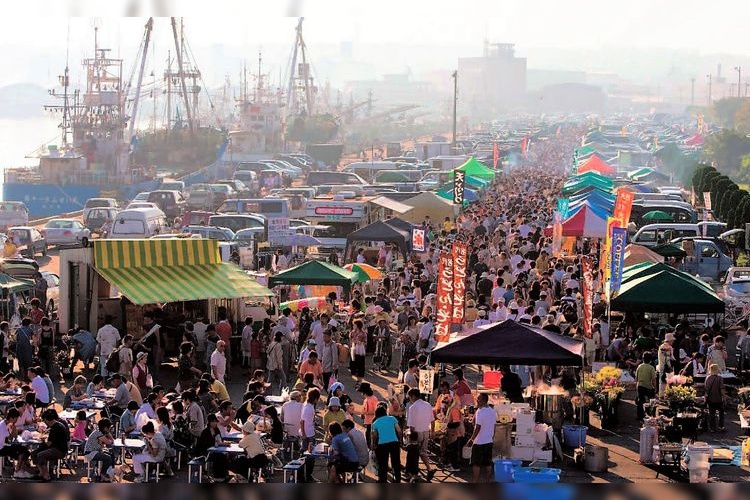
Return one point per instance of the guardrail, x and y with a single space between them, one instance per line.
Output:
43 221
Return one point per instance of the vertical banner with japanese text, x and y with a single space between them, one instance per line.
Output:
588 295
444 298
459 183
617 258
460 254
495 155
623 206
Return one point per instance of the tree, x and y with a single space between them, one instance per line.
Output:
726 150
742 118
723 200
724 111
698 180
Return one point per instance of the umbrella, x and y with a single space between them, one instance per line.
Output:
302 240
298 305
365 272
656 215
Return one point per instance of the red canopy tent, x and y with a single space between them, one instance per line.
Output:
596 164
586 223
696 140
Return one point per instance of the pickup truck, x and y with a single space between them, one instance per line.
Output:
707 258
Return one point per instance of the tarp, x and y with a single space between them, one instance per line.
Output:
592 198
596 164
580 184
428 203
585 223
380 231
666 292
392 205
637 254
696 140
511 343
152 271
15 285
314 272
474 168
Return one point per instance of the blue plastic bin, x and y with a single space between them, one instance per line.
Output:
504 470
535 475
574 436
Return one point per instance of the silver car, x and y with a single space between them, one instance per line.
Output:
65 232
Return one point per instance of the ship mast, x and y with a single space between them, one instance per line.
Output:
146 40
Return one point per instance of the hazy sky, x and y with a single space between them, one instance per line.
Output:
718 25
220 27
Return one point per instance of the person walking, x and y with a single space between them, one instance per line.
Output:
645 376
107 337
385 441
275 364
715 396
419 418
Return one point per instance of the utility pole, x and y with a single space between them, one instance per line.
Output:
738 69
710 82
692 92
455 108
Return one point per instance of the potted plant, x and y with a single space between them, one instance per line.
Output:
679 397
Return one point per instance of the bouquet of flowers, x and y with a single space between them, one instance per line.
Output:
582 401
680 395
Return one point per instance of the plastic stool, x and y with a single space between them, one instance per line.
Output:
147 470
195 470
292 469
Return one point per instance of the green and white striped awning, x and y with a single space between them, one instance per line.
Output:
159 271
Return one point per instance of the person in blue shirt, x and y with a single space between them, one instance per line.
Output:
85 345
24 350
343 454
385 436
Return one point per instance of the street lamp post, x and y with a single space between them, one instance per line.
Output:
738 69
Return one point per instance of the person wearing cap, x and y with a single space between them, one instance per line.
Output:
119 403
255 453
338 390
305 353
482 319
334 413
142 373
291 414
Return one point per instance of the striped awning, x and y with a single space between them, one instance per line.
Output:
151 271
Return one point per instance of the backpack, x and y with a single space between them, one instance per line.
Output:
113 361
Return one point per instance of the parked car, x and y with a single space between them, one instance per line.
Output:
169 185
31 241
246 237
66 232
172 203
98 203
13 213
200 197
211 232
142 196
239 187
140 204
221 192
98 216
53 289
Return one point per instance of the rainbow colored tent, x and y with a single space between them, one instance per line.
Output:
586 222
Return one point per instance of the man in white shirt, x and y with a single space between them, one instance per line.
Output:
39 386
482 439
108 337
219 361
291 414
419 418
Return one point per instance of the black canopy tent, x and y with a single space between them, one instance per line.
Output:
378 231
402 225
511 343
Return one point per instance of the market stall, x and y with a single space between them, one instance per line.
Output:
314 272
428 204
378 231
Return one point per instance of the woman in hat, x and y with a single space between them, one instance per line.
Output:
255 453
665 361
141 373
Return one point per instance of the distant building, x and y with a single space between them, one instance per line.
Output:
568 98
493 83
537 79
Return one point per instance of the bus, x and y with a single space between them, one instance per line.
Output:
342 215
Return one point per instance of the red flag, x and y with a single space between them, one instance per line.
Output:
444 298
495 155
524 145
557 133
460 252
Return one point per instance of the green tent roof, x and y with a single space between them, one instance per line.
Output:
314 272
666 292
585 150
669 250
15 285
474 168
651 268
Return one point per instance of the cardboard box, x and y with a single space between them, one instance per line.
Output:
522 453
525 440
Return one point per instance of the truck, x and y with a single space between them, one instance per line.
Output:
707 258
426 150
343 215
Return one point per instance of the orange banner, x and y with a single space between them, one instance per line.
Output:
623 206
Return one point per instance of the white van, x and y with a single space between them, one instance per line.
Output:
13 213
138 223
368 169
652 235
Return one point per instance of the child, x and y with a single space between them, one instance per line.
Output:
412 458
256 353
81 431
